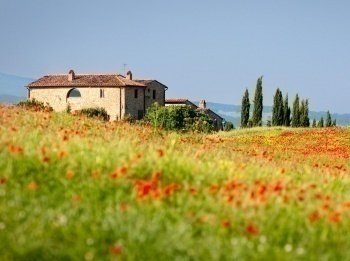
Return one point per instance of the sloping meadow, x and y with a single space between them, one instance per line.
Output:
77 188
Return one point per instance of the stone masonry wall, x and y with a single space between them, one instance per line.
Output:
160 94
133 105
90 97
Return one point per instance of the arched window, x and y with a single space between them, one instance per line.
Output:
74 93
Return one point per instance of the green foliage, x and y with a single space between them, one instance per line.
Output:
35 105
268 123
320 123
245 109
178 118
328 122
229 126
258 104
296 112
304 113
99 113
286 112
277 109
314 123
334 123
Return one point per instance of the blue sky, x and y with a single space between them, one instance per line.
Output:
208 50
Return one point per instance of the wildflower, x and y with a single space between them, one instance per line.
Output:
335 217
157 175
314 216
251 229
193 191
32 185
76 199
160 153
15 150
3 180
115 250
62 154
94 174
226 223
70 174
124 207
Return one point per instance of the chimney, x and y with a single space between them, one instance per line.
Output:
202 104
129 75
71 75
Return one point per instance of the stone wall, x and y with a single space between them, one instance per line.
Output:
132 106
159 92
90 97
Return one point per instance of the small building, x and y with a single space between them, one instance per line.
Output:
202 106
119 95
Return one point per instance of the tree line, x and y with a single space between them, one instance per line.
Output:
282 115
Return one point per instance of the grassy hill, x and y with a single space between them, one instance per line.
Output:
76 188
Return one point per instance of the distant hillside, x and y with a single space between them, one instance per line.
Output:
233 113
13 85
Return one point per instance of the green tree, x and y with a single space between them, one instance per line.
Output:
328 122
314 123
304 113
334 123
258 104
286 112
320 123
245 109
277 109
296 112
179 118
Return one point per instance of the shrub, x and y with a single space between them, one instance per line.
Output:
34 105
99 113
179 118
229 126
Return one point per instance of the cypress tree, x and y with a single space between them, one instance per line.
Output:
258 104
314 123
286 112
304 113
328 122
320 123
296 115
245 109
334 123
301 113
277 109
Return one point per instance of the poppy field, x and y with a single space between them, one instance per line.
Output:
73 188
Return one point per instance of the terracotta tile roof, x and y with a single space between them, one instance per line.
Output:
108 80
144 81
148 81
207 110
176 100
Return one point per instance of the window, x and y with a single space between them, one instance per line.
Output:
136 93
102 93
74 93
154 94
28 94
149 90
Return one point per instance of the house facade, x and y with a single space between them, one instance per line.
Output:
120 96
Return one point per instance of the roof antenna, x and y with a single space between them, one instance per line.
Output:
124 68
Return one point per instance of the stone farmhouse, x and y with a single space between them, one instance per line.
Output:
202 106
120 96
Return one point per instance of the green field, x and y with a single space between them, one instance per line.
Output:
73 188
